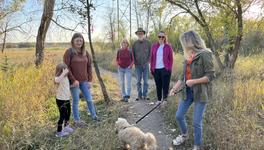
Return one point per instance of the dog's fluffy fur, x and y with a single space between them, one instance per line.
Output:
133 137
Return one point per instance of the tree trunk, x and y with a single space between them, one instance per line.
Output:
43 28
4 42
239 35
97 71
136 13
148 18
212 44
111 19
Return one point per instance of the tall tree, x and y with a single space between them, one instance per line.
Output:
42 30
198 9
83 9
111 27
88 7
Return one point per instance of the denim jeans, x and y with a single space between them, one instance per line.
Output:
75 91
125 81
142 72
198 112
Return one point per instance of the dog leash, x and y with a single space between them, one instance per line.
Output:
158 106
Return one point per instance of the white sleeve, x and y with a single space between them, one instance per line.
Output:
59 78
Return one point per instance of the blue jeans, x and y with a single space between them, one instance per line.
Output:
75 91
198 112
142 72
125 81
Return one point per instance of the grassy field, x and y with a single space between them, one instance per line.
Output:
28 113
234 118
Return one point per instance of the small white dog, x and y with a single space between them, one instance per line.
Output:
133 137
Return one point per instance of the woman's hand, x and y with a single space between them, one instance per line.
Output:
190 82
175 88
130 66
75 83
172 91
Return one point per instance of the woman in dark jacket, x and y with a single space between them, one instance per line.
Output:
198 72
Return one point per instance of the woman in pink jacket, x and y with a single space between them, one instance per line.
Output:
161 65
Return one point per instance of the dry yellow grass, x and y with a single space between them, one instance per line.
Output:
28 112
234 118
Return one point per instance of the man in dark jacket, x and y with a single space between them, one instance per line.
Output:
141 52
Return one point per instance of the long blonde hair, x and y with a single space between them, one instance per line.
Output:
78 35
192 41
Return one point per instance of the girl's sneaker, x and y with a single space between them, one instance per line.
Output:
62 134
80 124
180 139
68 129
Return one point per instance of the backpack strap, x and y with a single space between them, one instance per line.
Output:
71 54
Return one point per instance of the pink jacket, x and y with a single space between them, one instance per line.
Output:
167 56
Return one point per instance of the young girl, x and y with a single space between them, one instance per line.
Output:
63 100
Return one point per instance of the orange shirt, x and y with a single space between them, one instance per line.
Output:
188 68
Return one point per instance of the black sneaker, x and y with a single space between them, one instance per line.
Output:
128 97
139 98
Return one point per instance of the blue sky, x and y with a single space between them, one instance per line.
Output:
32 9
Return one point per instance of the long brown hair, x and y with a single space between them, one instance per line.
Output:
78 35
59 69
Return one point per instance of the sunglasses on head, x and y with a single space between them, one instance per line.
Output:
161 37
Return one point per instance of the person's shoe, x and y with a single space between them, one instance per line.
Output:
196 147
62 134
122 99
128 97
80 124
146 98
68 129
180 139
97 119
157 102
139 98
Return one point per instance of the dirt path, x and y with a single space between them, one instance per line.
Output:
153 123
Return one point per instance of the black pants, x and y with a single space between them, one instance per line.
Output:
162 80
65 113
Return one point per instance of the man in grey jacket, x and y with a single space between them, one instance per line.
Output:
141 53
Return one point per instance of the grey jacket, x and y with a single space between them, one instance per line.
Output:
141 52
